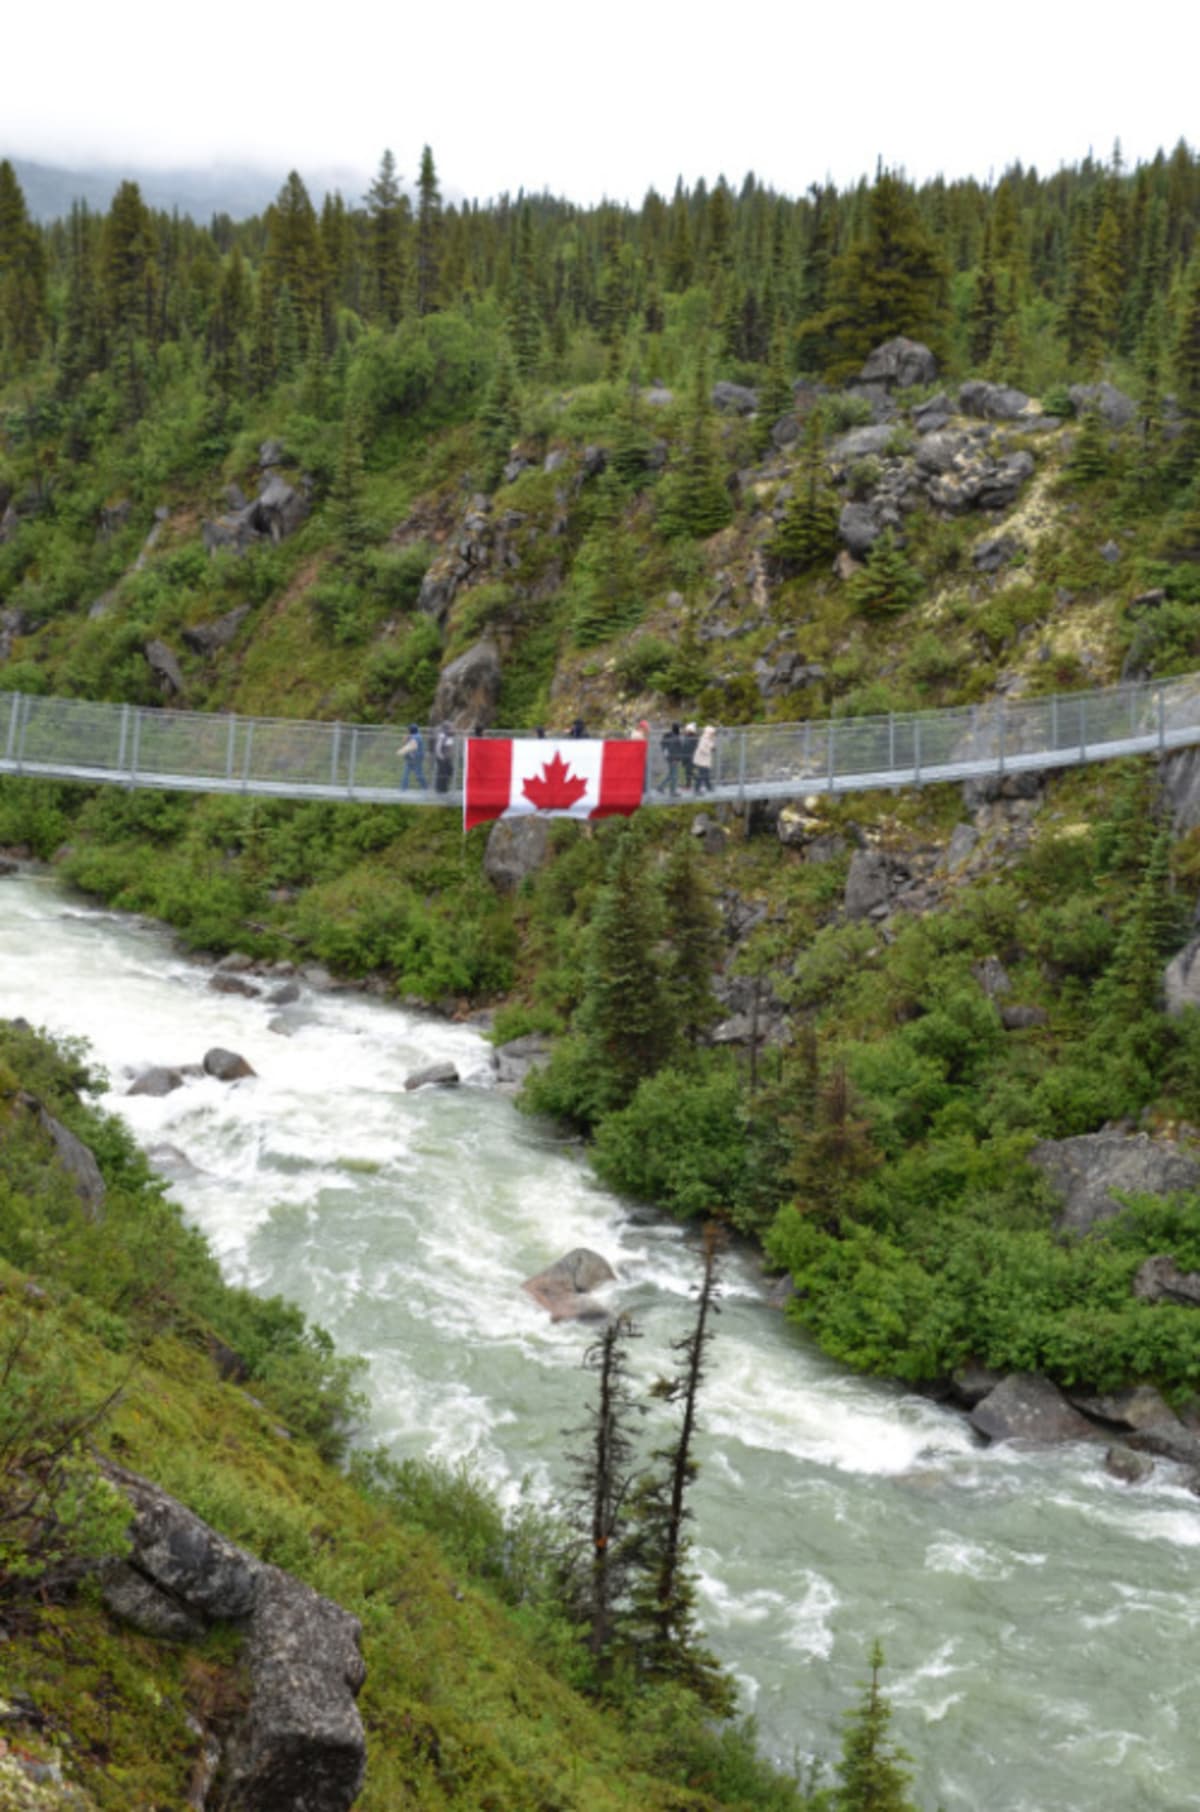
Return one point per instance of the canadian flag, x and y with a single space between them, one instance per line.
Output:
515 778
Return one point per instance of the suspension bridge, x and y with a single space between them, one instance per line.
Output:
283 758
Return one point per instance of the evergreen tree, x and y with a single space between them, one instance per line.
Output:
775 391
694 942
632 441
888 583
499 419
664 1592
1187 343
429 237
694 501
525 320
388 209
346 494
22 276
680 254
892 281
625 1014
294 259
807 535
832 1151
603 591
603 1480
871 1773
984 323
1090 458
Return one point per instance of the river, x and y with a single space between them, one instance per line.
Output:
1039 1620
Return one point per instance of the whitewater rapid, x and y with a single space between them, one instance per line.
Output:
1039 1620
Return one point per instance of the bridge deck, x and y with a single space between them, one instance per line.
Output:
123 745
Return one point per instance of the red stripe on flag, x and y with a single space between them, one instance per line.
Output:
488 780
622 779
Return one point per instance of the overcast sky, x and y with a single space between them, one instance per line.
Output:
598 100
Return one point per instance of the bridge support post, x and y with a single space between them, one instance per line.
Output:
1054 720
1001 733
137 743
1083 726
14 718
891 742
123 739
1162 721
742 769
333 754
230 747
353 763
246 749
831 766
916 751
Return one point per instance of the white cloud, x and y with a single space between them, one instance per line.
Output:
598 101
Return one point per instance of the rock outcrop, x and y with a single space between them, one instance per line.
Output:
300 1744
434 1075
226 1066
901 363
76 1158
276 512
1087 1171
515 849
1181 980
469 688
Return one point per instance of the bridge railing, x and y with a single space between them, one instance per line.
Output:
147 746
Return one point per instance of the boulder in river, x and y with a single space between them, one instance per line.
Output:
1024 1407
434 1075
564 1286
160 1079
226 1066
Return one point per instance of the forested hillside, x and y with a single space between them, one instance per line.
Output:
728 457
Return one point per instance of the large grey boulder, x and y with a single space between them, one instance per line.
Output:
859 528
993 402
1181 980
1113 407
1086 1172
516 848
159 1080
185 1560
1159 1279
164 667
513 1061
301 1746
734 399
469 688
279 509
76 1158
900 362
1024 1407
226 1066
868 884
434 1075
861 443
564 1286
1140 1406
207 638
1181 783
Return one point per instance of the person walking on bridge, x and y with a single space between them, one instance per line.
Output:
702 760
413 752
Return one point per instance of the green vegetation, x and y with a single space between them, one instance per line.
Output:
501 422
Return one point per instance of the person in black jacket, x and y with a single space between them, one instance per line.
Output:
687 751
672 748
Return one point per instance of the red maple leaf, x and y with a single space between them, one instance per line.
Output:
558 788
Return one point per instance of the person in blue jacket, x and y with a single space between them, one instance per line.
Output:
413 752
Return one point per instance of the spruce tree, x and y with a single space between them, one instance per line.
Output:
499 419
888 583
429 237
694 941
524 315
625 1014
603 592
807 535
871 1774
892 281
598 1564
664 1592
1187 342
775 391
693 500
22 276
387 206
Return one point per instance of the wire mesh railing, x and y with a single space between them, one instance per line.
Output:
78 739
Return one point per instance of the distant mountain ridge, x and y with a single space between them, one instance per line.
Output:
238 190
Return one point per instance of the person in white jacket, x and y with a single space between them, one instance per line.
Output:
702 760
